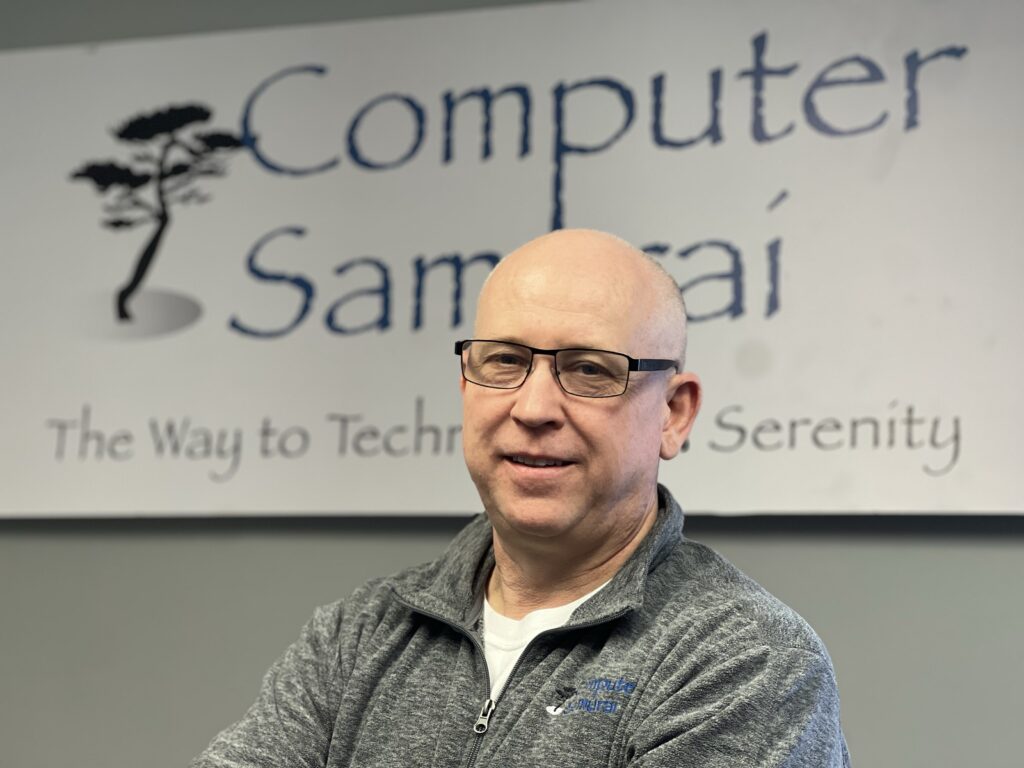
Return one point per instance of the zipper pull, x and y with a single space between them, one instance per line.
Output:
485 717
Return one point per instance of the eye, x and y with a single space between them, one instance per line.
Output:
505 359
588 364
588 368
498 357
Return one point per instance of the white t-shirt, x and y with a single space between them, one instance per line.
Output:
505 639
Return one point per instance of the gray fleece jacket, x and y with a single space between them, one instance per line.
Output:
680 660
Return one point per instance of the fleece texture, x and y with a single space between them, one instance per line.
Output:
680 661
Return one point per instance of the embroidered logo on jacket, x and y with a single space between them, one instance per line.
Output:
598 695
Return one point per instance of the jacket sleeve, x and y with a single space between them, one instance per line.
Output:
762 708
290 723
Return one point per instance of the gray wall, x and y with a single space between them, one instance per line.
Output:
130 643
126 644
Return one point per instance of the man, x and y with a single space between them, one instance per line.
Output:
573 624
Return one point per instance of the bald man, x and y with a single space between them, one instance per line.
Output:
571 623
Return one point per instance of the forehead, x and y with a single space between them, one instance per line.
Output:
553 299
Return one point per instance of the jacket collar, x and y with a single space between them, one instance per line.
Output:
451 587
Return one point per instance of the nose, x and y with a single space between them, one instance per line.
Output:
540 399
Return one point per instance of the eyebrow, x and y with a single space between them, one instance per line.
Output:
581 345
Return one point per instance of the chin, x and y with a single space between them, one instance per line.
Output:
531 517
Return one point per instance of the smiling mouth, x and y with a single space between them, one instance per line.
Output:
532 462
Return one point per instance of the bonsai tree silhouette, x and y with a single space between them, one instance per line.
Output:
173 156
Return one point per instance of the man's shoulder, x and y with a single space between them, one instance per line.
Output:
350 621
697 588
376 595
393 595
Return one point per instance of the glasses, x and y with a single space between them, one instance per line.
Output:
580 372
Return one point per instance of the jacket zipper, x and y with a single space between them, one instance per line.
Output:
487 709
484 717
483 720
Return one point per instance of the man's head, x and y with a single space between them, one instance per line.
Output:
571 289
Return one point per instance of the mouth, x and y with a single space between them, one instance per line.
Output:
537 461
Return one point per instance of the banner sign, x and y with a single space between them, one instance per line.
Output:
236 264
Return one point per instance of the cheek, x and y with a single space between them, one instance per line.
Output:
642 430
481 416
474 451
470 432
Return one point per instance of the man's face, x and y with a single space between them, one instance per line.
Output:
606 449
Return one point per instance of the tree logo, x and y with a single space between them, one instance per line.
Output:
171 156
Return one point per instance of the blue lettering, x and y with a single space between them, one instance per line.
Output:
774 256
912 65
419 118
757 74
383 291
656 249
734 275
304 286
774 273
487 99
251 140
872 74
421 267
712 133
562 147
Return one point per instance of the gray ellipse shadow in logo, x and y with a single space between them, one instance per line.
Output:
156 313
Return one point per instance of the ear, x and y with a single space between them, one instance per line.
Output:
683 396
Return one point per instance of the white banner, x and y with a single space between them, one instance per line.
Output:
235 264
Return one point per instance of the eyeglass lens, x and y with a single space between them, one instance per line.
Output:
583 372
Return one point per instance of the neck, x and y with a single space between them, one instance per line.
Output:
527 577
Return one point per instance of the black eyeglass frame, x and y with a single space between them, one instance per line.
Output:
634 364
